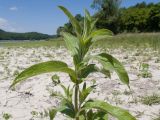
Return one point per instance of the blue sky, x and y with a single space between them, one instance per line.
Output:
43 15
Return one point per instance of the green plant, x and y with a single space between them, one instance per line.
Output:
55 79
44 114
6 116
144 72
151 100
75 102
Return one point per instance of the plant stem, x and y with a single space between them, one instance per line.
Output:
76 100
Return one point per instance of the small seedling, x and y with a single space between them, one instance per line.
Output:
55 79
74 101
7 116
144 71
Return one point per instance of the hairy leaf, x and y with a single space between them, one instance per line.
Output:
73 20
100 115
87 70
85 92
71 43
67 108
117 112
111 63
100 34
44 67
52 113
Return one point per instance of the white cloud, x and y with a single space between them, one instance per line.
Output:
3 22
5 25
14 8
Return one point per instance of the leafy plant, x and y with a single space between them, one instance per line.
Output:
75 102
151 100
144 72
6 116
46 113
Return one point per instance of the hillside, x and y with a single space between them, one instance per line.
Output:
23 36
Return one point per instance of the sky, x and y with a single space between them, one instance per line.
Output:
43 15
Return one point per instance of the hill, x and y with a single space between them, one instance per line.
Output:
23 36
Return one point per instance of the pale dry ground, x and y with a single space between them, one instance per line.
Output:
33 95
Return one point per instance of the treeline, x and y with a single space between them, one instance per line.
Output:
141 17
23 36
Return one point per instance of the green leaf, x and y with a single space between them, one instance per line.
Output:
111 63
86 29
101 34
90 115
117 112
52 113
73 20
91 68
93 24
85 92
87 15
44 67
71 43
67 108
100 115
68 92
87 70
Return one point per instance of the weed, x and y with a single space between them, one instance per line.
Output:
151 100
74 101
144 71
7 116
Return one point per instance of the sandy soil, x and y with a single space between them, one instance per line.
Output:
30 99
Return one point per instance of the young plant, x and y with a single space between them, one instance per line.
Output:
144 72
75 102
7 116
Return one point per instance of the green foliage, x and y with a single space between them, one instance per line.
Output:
107 7
154 18
45 67
117 112
52 113
78 44
55 79
144 71
141 17
134 19
7 116
151 100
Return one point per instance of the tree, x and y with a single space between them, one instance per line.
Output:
134 19
107 8
108 13
154 18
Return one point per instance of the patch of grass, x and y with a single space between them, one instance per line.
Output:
130 41
127 41
151 100
144 71
29 44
